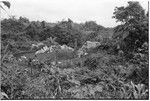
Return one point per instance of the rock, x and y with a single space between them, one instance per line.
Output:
37 45
90 44
83 50
65 47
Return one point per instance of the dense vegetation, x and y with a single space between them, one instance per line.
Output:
116 69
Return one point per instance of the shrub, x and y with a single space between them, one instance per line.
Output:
91 63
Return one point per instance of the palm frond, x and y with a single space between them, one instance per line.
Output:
6 3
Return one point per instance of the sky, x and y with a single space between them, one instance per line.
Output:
78 11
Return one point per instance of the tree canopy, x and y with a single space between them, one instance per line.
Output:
133 30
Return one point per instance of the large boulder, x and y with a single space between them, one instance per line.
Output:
90 44
43 50
37 46
50 49
87 46
65 47
55 52
53 48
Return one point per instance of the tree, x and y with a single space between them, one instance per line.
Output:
66 33
92 26
133 30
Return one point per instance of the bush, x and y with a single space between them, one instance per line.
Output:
91 63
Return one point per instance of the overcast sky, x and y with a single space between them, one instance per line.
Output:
79 11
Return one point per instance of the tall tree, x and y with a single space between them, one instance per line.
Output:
133 30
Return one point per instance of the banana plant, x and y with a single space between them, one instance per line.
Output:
139 90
